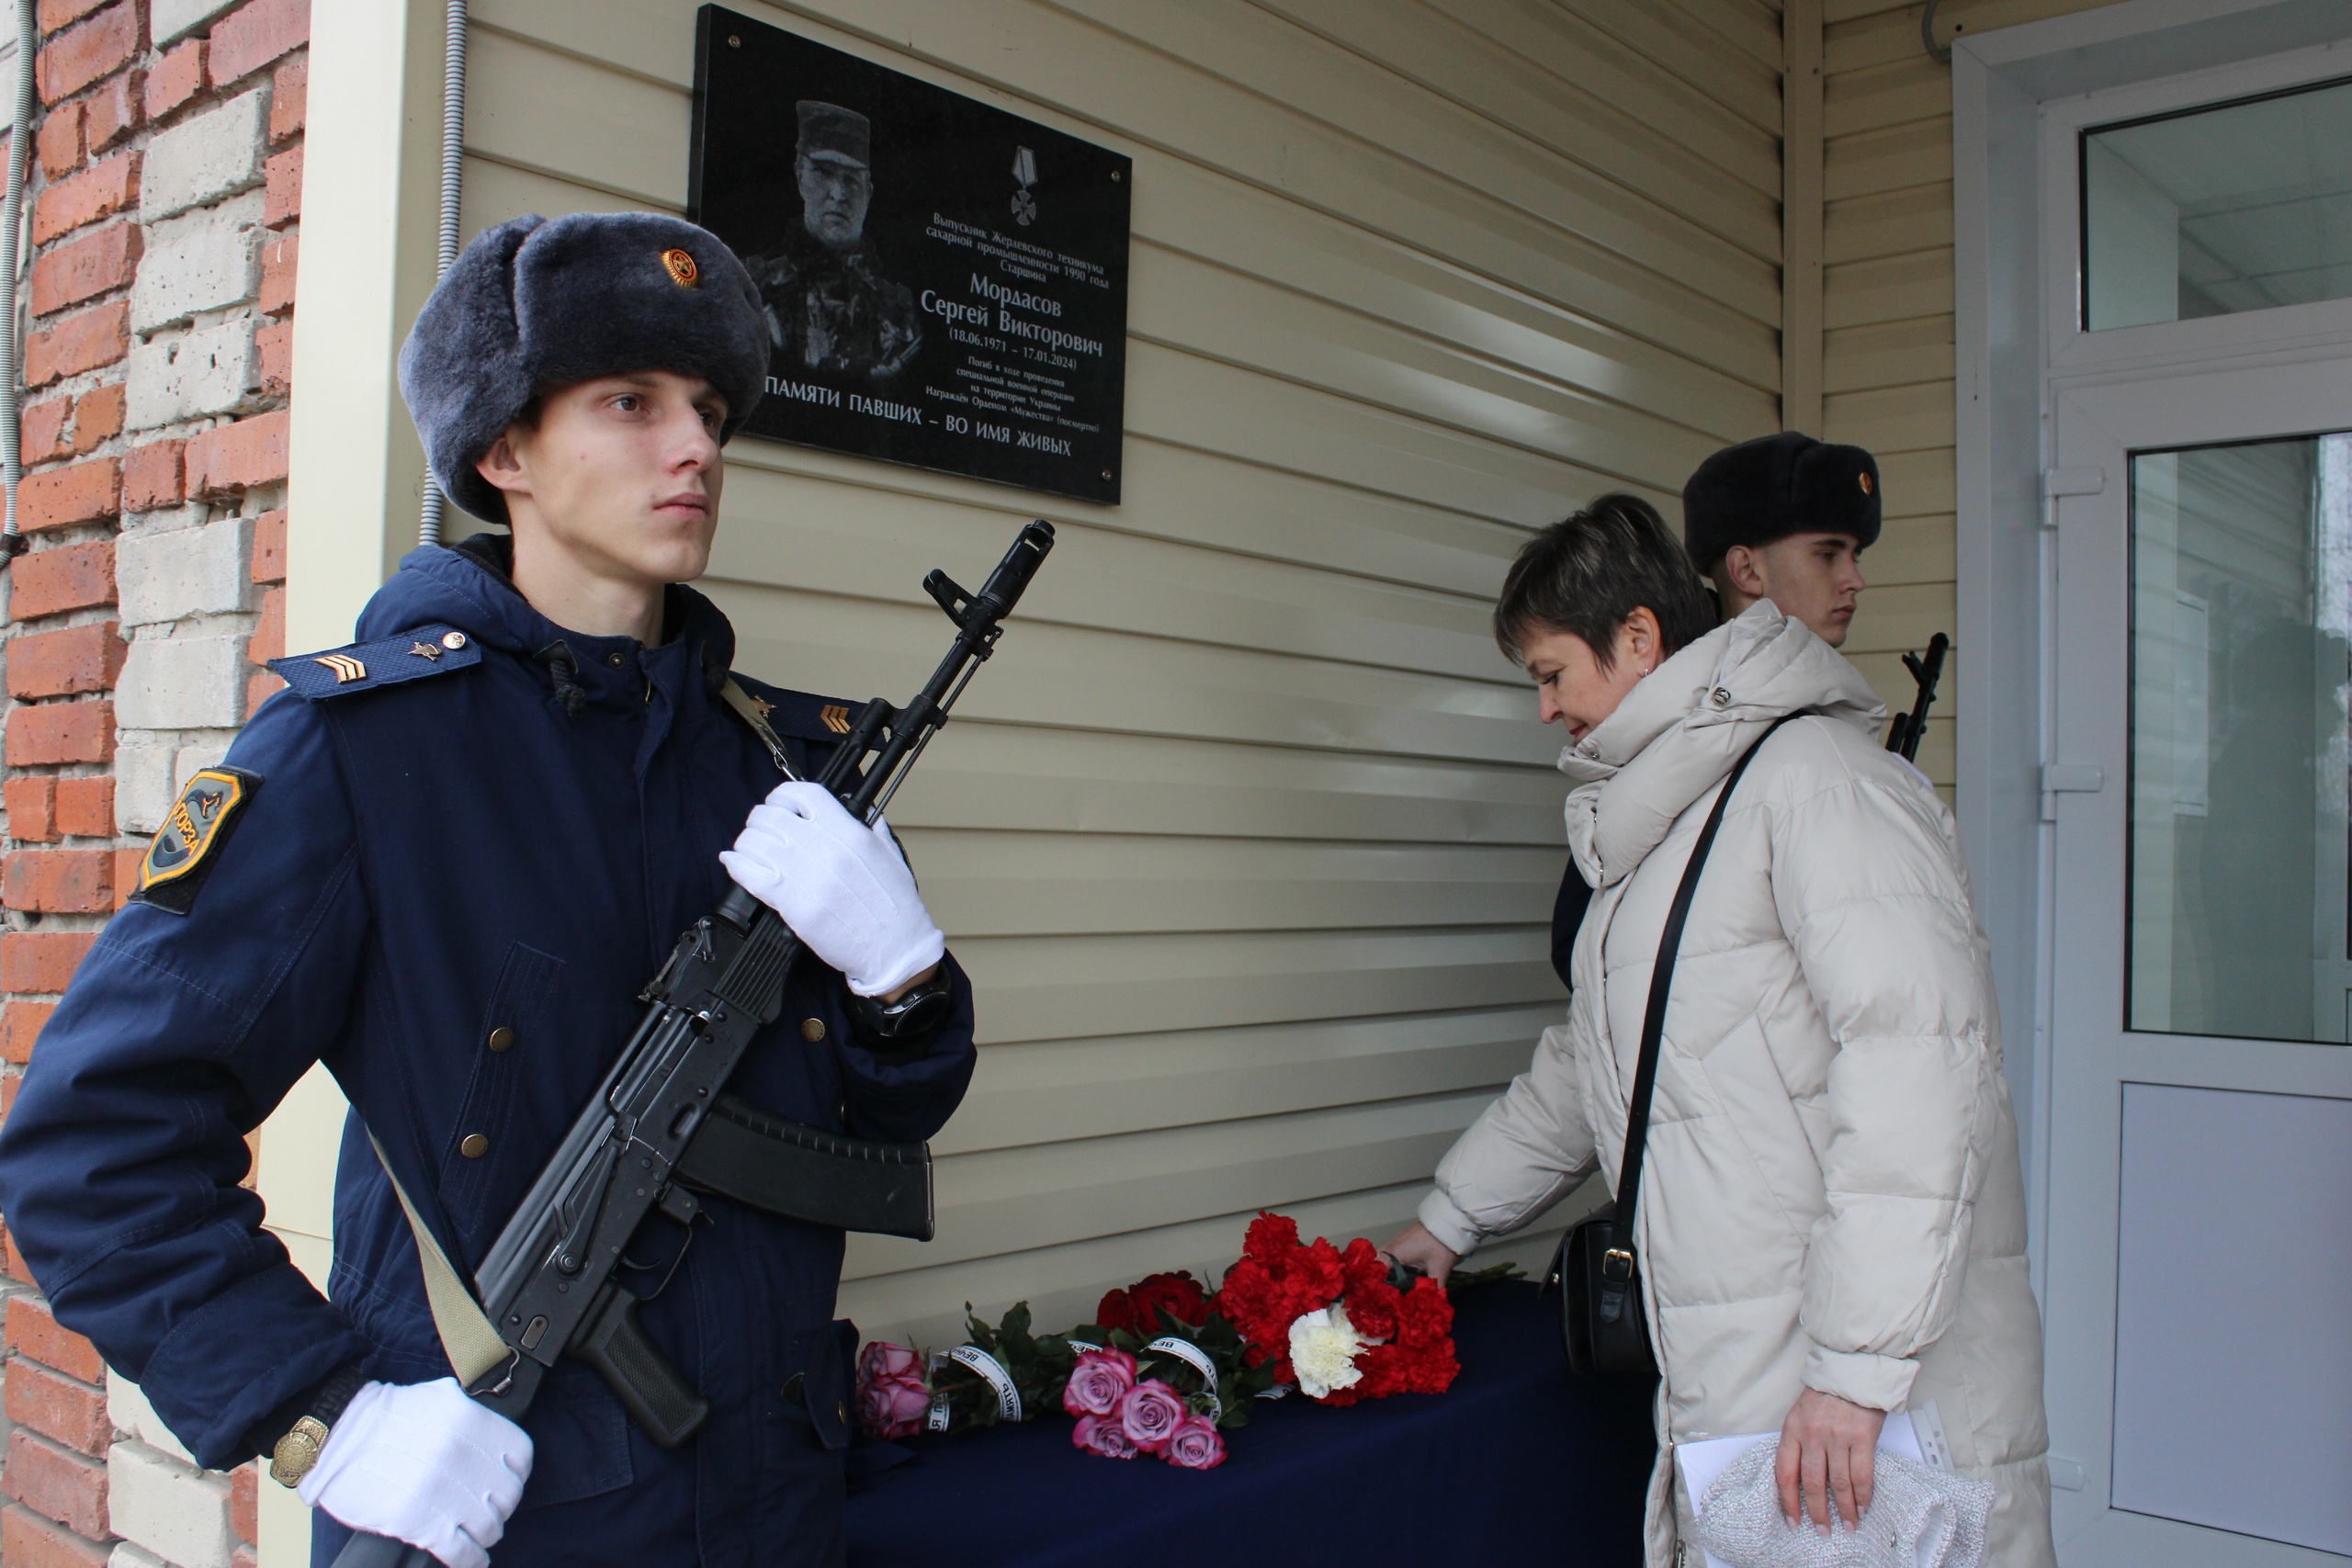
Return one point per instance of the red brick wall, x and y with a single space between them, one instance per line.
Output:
106 92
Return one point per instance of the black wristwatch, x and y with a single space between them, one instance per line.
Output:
916 1015
298 1449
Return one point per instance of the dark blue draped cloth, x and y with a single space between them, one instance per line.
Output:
1520 1462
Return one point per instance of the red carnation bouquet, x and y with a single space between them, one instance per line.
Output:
1342 1324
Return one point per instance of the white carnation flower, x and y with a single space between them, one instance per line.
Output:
1323 1346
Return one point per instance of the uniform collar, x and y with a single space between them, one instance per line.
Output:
471 587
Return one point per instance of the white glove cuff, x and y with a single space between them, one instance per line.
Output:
926 948
347 1438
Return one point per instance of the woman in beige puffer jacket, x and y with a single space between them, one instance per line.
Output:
1831 1199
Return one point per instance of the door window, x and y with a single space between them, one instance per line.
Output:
2242 604
2212 210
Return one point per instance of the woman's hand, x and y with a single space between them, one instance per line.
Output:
1828 1444
1416 1247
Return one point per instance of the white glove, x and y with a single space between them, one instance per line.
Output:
423 1463
842 887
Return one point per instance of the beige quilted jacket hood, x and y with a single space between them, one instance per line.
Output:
1831 1197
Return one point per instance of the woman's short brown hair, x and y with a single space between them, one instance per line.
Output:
1586 574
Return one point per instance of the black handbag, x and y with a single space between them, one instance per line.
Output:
1596 1270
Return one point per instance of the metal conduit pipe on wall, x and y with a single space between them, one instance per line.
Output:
1939 54
12 231
453 157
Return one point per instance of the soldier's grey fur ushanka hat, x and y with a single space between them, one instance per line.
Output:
537 303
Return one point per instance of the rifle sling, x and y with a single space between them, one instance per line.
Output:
749 712
800 1172
467 1337
765 1162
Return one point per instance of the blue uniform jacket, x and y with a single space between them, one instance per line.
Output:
435 851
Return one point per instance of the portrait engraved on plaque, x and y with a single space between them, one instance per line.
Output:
944 284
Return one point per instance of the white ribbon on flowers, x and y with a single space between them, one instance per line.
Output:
1008 1397
1186 1351
1084 1345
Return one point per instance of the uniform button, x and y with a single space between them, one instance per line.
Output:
453 641
614 659
502 1038
812 1029
474 1147
1720 697
840 1411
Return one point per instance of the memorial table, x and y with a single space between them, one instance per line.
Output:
1520 1462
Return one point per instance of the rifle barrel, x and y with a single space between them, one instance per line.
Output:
1909 729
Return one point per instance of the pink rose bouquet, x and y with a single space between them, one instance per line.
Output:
1151 1412
1194 1444
1098 1382
1103 1435
891 1398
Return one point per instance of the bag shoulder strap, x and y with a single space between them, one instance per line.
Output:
1669 943
467 1337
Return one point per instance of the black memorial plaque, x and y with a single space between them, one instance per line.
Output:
946 283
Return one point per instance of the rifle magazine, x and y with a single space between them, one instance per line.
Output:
801 1173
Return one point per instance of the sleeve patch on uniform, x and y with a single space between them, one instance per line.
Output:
181 855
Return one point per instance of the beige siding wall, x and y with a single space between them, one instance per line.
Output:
1887 286
1247 836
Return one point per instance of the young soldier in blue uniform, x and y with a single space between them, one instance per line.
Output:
444 863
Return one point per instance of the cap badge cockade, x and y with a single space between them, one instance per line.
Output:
1865 479
681 266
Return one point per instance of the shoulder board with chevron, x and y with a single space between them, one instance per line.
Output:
364 666
802 715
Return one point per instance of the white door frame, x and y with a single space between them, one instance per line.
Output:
2033 514
2095 425
2004 85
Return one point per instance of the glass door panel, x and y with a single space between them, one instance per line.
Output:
2208 211
2242 604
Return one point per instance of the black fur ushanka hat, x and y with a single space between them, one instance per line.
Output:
537 303
1775 486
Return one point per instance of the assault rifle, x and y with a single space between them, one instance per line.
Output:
549 1284
1910 728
